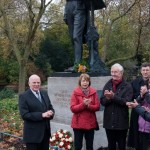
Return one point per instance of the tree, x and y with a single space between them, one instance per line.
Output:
143 23
124 28
21 20
55 49
109 18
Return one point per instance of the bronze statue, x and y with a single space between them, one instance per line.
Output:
79 16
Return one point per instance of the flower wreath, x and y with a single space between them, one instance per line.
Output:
62 139
82 67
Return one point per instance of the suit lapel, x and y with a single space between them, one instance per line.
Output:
33 97
44 99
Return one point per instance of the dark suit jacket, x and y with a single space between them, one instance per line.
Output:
31 110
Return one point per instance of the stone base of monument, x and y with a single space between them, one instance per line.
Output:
59 90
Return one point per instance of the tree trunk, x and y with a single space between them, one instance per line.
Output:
22 77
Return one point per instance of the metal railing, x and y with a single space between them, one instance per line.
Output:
18 143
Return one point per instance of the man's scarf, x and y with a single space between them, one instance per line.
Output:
115 83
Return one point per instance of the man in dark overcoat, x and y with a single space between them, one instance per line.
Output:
116 94
36 111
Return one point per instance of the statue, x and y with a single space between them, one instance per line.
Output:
79 16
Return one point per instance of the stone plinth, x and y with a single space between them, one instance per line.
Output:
60 90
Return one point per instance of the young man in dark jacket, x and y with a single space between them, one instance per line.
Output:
133 135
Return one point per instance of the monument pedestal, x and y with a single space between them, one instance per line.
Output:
60 88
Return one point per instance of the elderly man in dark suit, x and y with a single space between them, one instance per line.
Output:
36 110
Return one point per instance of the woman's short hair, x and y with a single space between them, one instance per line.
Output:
86 77
118 66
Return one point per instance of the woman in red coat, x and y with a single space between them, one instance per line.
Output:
84 103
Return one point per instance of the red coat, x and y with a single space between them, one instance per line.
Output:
84 117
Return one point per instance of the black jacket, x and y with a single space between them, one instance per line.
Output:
133 135
31 110
116 114
142 112
136 84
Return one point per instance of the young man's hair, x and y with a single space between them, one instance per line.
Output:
146 64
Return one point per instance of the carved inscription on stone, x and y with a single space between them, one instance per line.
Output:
62 98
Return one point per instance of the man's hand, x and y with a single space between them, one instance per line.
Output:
47 114
108 94
143 90
146 108
132 104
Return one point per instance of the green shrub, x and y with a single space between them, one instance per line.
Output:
10 120
9 105
7 93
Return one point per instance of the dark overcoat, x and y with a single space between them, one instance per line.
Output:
31 110
116 115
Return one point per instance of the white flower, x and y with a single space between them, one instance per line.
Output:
58 132
61 143
69 147
52 139
62 139
70 139
60 135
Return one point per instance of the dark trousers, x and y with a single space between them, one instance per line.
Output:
133 134
78 138
44 145
144 141
116 137
75 16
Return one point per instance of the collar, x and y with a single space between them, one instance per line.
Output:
34 92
